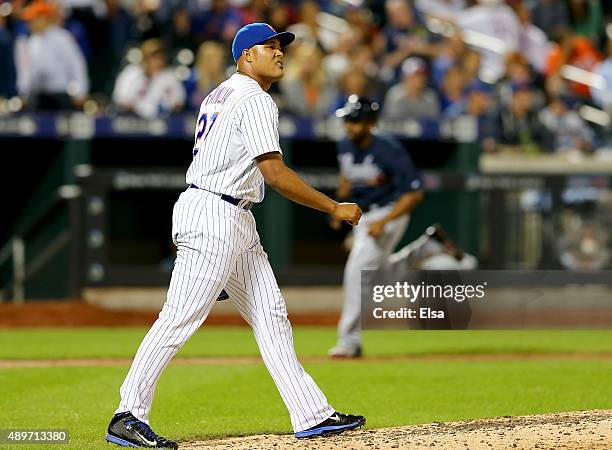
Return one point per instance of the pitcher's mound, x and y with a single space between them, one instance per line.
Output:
585 430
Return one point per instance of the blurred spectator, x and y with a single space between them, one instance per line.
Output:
478 103
533 42
254 11
519 125
556 86
586 18
360 20
363 46
517 69
79 33
51 70
8 80
404 36
444 9
470 66
353 81
178 35
518 73
151 17
151 88
551 16
575 51
602 94
305 86
493 28
281 15
452 88
85 19
411 98
565 128
120 24
308 29
208 73
451 52
363 56
220 22
341 59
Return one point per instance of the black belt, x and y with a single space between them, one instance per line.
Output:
244 204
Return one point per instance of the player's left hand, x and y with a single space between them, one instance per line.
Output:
377 228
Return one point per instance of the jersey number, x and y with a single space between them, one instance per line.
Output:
203 128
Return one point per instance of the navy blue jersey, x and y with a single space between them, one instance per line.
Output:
379 174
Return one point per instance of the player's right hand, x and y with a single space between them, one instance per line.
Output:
349 212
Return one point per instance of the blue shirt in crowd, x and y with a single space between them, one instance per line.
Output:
379 174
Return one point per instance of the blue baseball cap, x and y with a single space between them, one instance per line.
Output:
257 33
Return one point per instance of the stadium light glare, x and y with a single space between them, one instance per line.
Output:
15 104
185 57
182 73
594 115
438 26
582 76
6 9
134 56
69 191
485 41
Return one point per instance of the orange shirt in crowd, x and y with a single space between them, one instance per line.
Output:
581 54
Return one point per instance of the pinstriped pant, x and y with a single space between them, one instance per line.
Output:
218 247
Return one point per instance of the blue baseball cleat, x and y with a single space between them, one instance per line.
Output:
337 423
127 431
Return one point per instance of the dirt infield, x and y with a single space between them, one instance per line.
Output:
231 360
585 430
78 313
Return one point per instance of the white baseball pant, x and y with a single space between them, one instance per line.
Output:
366 253
218 247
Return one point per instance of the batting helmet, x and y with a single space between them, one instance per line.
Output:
358 109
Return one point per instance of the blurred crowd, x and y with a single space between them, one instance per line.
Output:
535 74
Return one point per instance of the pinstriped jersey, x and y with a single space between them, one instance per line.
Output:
237 122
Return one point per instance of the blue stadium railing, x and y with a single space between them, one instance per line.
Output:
86 126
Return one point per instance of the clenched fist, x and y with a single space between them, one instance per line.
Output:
348 212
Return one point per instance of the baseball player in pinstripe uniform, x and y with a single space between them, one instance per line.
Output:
236 149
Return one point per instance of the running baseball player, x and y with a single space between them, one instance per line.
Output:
378 174
236 149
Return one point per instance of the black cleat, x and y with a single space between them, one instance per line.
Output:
438 233
127 431
337 423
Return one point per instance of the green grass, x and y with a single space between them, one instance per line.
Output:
238 341
204 401
207 401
